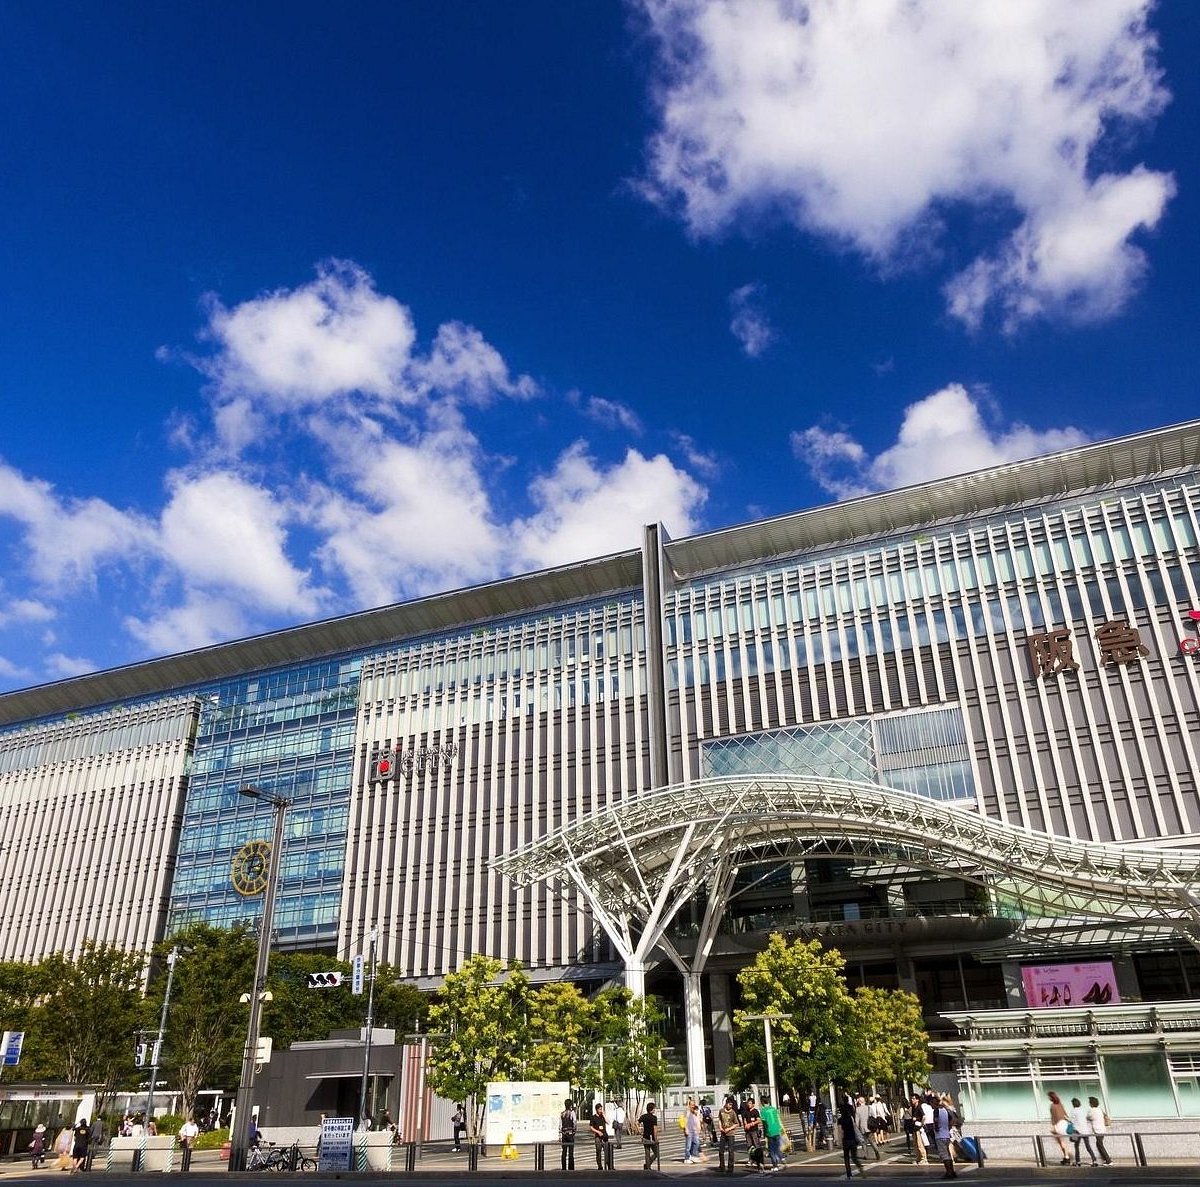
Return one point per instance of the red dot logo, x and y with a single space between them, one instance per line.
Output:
385 767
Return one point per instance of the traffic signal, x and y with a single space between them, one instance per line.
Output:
325 980
140 1051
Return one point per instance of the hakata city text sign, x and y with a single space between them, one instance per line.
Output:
391 764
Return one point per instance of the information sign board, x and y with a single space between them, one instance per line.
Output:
524 1111
337 1144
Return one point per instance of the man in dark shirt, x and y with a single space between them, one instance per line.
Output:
752 1123
649 1125
599 1128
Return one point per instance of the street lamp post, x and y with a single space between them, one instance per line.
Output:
364 1114
239 1137
172 957
766 1020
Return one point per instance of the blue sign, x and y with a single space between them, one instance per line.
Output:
11 1046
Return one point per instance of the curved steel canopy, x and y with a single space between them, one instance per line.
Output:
639 862
673 839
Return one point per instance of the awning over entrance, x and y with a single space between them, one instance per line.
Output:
640 861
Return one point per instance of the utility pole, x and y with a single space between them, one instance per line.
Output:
156 1054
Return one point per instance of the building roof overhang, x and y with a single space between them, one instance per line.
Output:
1091 467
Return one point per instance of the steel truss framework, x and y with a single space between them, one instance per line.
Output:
637 863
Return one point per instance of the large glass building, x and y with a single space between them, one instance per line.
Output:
1017 648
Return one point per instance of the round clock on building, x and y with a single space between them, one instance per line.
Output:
250 867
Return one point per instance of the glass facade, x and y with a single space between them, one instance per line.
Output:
288 733
924 752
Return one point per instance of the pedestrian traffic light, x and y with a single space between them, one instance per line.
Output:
324 980
139 1054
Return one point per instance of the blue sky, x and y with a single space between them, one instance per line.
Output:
304 311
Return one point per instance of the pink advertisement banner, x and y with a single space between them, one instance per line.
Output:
1051 985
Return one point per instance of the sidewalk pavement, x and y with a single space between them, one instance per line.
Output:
439 1161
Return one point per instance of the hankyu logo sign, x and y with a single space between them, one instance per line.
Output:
1190 644
391 764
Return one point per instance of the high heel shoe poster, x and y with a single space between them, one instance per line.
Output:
1050 986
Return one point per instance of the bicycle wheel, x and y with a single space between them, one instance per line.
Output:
308 1164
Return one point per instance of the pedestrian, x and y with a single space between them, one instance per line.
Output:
727 1127
942 1122
773 1130
691 1142
823 1123
37 1147
850 1135
81 1135
652 1155
1058 1125
880 1119
1099 1121
599 1128
1080 1130
862 1119
752 1124
458 1125
618 1123
568 1122
62 1148
707 1122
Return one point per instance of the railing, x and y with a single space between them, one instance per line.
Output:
767 921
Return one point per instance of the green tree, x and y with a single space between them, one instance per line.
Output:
480 1026
888 1042
560 1019
628 1031
804 984
206 1021
87 1020
23 987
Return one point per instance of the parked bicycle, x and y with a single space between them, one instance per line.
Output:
280 1158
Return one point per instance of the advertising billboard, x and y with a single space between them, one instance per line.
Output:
1050 985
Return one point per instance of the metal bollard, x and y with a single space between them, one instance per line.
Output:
185 1159
979 1151
539 1157
410 1157
473 1157
1139 1151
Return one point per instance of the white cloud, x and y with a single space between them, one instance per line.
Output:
704 462
222 533
293 348
63 667
863 120
24 610
750 325
199 620
463 365
587 510
418 519
66 540
942 434
610 414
